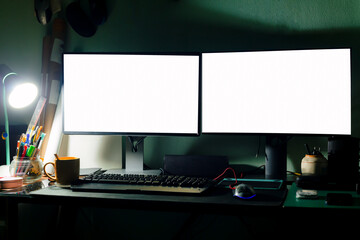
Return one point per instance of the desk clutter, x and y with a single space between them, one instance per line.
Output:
339 172
322 198
224 188
27 163
331 182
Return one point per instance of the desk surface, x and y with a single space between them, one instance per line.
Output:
217 198
320 202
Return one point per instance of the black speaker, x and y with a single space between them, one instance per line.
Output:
343 160
195 165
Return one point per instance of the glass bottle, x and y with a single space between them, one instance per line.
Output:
30 169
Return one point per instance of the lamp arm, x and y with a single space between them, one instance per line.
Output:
7 140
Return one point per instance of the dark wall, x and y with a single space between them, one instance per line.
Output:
194 25
15 133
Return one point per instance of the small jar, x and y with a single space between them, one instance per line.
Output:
30 169
315 165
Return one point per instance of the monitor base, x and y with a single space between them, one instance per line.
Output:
133 159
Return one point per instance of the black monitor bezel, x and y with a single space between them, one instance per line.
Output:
198 54
285 133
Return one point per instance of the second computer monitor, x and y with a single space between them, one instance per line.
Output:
131 94
277 92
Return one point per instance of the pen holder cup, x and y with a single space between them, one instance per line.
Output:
314 165
30 169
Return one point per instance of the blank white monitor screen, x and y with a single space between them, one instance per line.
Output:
131 94
281 92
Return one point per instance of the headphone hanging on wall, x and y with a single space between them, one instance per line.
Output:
43 11
86 24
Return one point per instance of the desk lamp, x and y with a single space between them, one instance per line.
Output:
21 95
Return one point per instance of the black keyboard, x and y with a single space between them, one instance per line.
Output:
104 182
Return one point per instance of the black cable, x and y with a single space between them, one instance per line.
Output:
258 150
134 143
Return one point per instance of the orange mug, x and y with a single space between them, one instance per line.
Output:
67 170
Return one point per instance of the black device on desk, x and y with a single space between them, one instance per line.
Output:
244 191
182 174
341 199
108 182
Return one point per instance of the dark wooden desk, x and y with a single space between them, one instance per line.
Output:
216 201
279 211
320 201
324 220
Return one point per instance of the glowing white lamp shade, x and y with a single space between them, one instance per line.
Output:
23 95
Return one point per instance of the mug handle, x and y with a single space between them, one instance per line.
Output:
46 173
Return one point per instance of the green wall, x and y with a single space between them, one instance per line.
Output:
195 25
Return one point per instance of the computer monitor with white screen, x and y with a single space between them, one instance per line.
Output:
277 93
134 95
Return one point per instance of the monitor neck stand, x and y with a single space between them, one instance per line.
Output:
276 157
134 157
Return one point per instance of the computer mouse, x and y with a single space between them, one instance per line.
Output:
244 191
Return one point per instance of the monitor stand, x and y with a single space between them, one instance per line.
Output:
134 158
276 157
